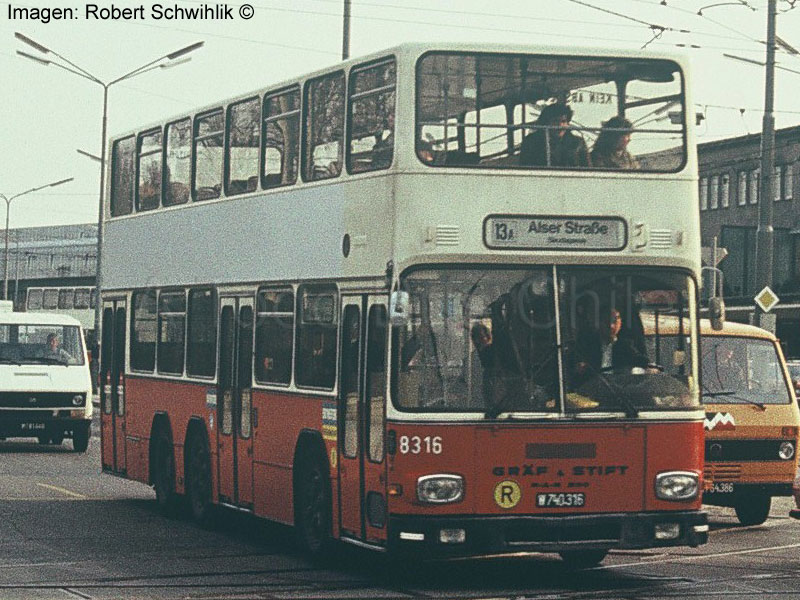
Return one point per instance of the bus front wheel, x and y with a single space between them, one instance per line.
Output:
752 508
582 559
312 504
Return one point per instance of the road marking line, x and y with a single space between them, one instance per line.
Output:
698 556
62 490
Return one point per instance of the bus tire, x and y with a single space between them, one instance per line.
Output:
56 439
80 438
582 559
167 498
752 508
198 478
312 503
43 439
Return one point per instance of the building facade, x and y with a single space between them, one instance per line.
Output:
729 196
56 256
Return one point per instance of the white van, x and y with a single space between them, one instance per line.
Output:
45 385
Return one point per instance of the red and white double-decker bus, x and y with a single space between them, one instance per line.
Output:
399 303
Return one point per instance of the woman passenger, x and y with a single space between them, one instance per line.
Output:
610 150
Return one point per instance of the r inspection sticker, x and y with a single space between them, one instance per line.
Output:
507 494
329 427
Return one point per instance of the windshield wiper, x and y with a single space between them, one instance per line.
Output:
10 361
735 396
51 360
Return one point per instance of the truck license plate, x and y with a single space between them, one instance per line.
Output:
560 499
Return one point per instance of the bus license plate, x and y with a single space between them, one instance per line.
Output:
721 488
560 499
32 426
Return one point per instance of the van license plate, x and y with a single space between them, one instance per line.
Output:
32 426
560 499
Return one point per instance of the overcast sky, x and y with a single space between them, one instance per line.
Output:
49 113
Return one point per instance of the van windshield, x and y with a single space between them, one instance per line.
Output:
41 344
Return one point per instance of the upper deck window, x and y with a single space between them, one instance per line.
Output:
324 105
122 164
372 100
551 112
244 131
35 299
148 190
178 163
208 155
281 138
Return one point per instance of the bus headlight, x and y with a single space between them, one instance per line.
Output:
677 485
440 489
786 451
77 400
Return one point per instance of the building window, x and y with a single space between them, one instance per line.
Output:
783 267
171 332
713 192
739 266
754 193
741 192
274 336
725 190
703 193
788 181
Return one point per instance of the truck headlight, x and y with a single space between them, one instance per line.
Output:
786 451
440 489
77 400
677 485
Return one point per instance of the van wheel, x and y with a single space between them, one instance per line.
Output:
198 479
44 439
752 508
56 439
167 498
583 559
80 438
312 505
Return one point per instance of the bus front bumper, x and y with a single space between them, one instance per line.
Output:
459 536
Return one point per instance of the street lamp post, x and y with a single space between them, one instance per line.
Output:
8 201
162 62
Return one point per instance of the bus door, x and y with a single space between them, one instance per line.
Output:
234 402
362 409
112 386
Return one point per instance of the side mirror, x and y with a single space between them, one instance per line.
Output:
716 312
399 308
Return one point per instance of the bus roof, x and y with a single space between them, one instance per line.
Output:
36 318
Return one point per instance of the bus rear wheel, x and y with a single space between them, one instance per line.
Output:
312 507
752 508
582 559
167 498
198 479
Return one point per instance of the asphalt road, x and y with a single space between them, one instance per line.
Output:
68 531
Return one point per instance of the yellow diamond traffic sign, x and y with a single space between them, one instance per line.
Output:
766 299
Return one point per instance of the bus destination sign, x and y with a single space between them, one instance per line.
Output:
534 232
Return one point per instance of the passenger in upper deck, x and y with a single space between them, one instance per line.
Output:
610 151
383 150
553 145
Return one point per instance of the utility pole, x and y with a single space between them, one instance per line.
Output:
346 31
765 234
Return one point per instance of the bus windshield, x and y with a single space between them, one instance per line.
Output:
545 339
562 112
738 370
40 344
